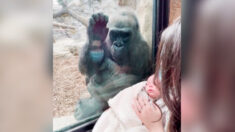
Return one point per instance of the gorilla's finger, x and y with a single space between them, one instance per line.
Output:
93 16
106 18
102 17
96 17
92 21
90 30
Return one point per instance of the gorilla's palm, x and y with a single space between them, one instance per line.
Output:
97 29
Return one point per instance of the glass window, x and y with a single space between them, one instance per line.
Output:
100 47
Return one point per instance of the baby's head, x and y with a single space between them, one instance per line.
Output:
151 88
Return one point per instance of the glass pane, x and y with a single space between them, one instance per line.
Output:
97 55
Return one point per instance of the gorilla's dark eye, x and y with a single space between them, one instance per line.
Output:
122 36
113 35
126 34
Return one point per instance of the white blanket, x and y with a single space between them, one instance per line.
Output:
120 117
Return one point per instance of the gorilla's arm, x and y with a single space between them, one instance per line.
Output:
97 32
84 59
140 58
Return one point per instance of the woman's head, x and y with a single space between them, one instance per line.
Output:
169 67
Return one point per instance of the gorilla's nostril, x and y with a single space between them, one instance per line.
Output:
118 44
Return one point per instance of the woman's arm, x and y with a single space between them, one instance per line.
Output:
149 114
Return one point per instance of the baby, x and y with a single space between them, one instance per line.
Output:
150 90
121 117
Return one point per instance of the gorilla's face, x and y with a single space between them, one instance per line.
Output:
120 40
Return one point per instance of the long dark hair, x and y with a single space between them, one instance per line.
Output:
168 65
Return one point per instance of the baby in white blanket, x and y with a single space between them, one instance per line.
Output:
121 117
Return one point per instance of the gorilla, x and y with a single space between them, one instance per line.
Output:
126 45
115 57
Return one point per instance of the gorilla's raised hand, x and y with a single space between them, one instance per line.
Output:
97 29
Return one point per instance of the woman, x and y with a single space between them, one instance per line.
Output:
122 116
169 64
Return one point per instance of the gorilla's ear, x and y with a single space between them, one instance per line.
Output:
137 26
136 23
